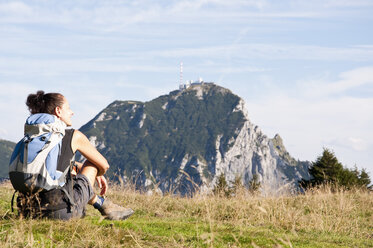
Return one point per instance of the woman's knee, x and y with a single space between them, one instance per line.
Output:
90 171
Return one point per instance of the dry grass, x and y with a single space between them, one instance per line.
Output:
342 211
319 218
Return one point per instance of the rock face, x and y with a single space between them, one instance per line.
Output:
183 141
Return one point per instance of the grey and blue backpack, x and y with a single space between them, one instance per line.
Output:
33 164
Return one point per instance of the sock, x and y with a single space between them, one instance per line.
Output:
99 202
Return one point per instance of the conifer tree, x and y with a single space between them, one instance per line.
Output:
254 184
328 170
364 179
237 184
221 187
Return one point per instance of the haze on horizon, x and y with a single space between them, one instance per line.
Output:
304 68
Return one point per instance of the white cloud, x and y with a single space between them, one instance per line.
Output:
348 80
240 69
3 132
12 91
15 8
111 16
13 109
272 52
346 143
347 3
54 67
308 126
185 6
146 61
308 122
358 144
150 91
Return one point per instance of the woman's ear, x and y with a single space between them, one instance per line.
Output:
57 111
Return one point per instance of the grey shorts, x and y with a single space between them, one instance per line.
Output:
82 193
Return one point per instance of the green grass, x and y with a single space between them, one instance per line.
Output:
179 222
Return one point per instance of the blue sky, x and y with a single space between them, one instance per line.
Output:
304 68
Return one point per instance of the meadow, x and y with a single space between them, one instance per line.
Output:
320 217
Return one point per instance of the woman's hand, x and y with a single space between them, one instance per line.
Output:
102 184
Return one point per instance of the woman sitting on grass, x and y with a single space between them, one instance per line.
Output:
75 194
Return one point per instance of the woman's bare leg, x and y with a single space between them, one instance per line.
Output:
90 171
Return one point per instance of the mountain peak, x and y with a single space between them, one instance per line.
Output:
200 89
201 131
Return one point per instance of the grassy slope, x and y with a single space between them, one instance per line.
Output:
318 219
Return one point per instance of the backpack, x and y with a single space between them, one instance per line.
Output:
33 164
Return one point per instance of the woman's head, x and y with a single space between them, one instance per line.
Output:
50 103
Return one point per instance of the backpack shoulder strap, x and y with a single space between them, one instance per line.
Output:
15 191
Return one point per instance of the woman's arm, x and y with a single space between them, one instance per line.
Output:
81 143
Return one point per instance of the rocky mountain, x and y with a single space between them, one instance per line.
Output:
183 141
6 149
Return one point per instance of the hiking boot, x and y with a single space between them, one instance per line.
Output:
112 211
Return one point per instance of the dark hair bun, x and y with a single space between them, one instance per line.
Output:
40 95
43 103
35 101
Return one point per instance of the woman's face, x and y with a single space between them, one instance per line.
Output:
64 113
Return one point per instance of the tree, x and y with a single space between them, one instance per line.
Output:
347 177
221 187
364 179
237 185
254 184
328 170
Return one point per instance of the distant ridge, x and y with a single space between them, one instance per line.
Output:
6 149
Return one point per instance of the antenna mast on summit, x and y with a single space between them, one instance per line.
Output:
181 73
